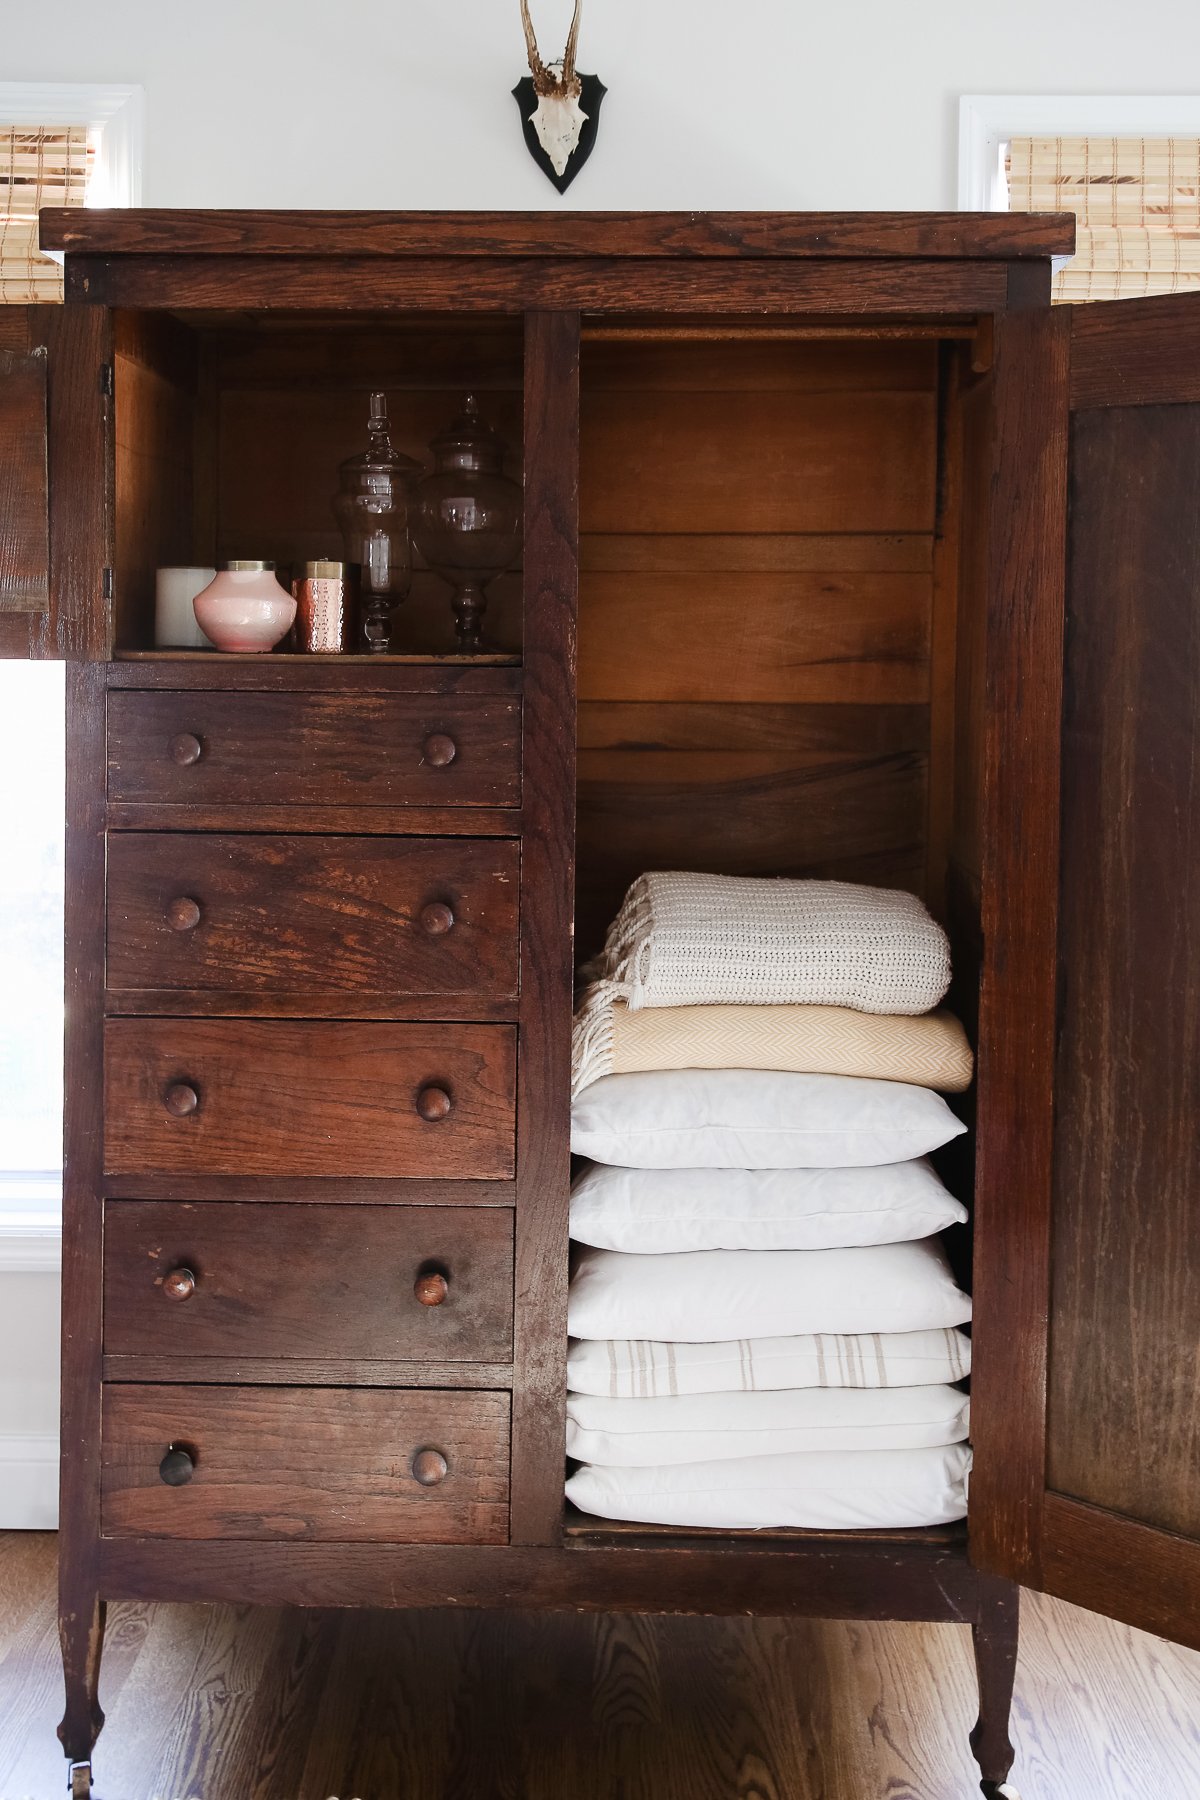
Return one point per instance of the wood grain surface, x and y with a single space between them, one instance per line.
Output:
298 750
1124 1426
230 1703
305 1464
24 517
193 232
344 918
292 1098
341 1287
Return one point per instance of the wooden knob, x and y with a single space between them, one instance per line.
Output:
437 918
431 1289
179 1284
433 1103
429 1467
181 1099
440 750
185 749
183 914
177 1467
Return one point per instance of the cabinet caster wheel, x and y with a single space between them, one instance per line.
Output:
79 1781
998 1790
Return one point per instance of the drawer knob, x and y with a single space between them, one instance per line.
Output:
440 750
185 749
437 918
179 1284
429 1467
181 1099
183 913
177 1467
433 1103
431 1289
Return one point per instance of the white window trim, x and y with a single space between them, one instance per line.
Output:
987 121
114 111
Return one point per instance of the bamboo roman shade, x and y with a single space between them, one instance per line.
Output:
40 165
1137 201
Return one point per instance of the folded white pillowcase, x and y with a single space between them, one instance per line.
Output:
832 1490
652 1211
705 1296
686 1428
643 1368
756 1119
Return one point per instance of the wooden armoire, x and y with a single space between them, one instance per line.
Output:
843 555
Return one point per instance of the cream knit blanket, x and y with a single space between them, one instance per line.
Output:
928 1051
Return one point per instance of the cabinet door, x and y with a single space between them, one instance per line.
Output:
1089 1242
24 521
56 481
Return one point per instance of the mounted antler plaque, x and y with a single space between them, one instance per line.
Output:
560 109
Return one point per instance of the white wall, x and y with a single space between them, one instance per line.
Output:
742 103
28 1399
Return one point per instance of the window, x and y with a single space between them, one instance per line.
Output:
1128 168
31 927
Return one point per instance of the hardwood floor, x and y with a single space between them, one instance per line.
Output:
230 1704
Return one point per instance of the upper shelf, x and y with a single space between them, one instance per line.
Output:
935 236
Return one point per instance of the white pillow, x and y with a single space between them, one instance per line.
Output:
687 1428
705 1296
655 1210
833 1490
756 1119
640 1368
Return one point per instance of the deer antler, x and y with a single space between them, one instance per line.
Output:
545 81
568 67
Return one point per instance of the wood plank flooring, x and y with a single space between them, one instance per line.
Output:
234 1704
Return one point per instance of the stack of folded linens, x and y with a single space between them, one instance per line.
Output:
765 1329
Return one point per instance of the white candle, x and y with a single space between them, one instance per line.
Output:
175 626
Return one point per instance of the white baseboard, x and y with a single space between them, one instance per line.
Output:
28 1482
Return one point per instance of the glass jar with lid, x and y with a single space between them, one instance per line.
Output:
373 507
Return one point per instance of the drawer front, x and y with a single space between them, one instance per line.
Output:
273 1279
294 1098
313 749
363 917
330 1465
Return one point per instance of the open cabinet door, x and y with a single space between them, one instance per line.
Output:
1098 1256
24 496
56 481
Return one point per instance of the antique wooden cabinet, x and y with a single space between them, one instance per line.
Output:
843 555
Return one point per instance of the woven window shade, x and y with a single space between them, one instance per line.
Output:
40 165
1137 201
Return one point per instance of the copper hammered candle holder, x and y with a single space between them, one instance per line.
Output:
324 609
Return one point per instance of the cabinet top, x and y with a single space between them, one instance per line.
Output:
913 235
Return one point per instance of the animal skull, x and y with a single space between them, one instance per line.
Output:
558 117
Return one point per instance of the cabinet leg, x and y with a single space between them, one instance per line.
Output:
81 1633
995 1636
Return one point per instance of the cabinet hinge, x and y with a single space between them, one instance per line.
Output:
106 584
106 380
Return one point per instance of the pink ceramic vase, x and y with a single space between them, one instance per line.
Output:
245 608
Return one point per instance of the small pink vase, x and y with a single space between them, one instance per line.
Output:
245 608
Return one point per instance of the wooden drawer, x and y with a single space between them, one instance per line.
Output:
336 1283
346 749
358 918
296 1097
340 1465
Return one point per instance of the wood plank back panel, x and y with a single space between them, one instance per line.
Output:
293 1098
756 613
1124 1426
305 750
312 917
324 1465
339 1283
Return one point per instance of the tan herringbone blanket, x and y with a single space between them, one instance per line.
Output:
930 1050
